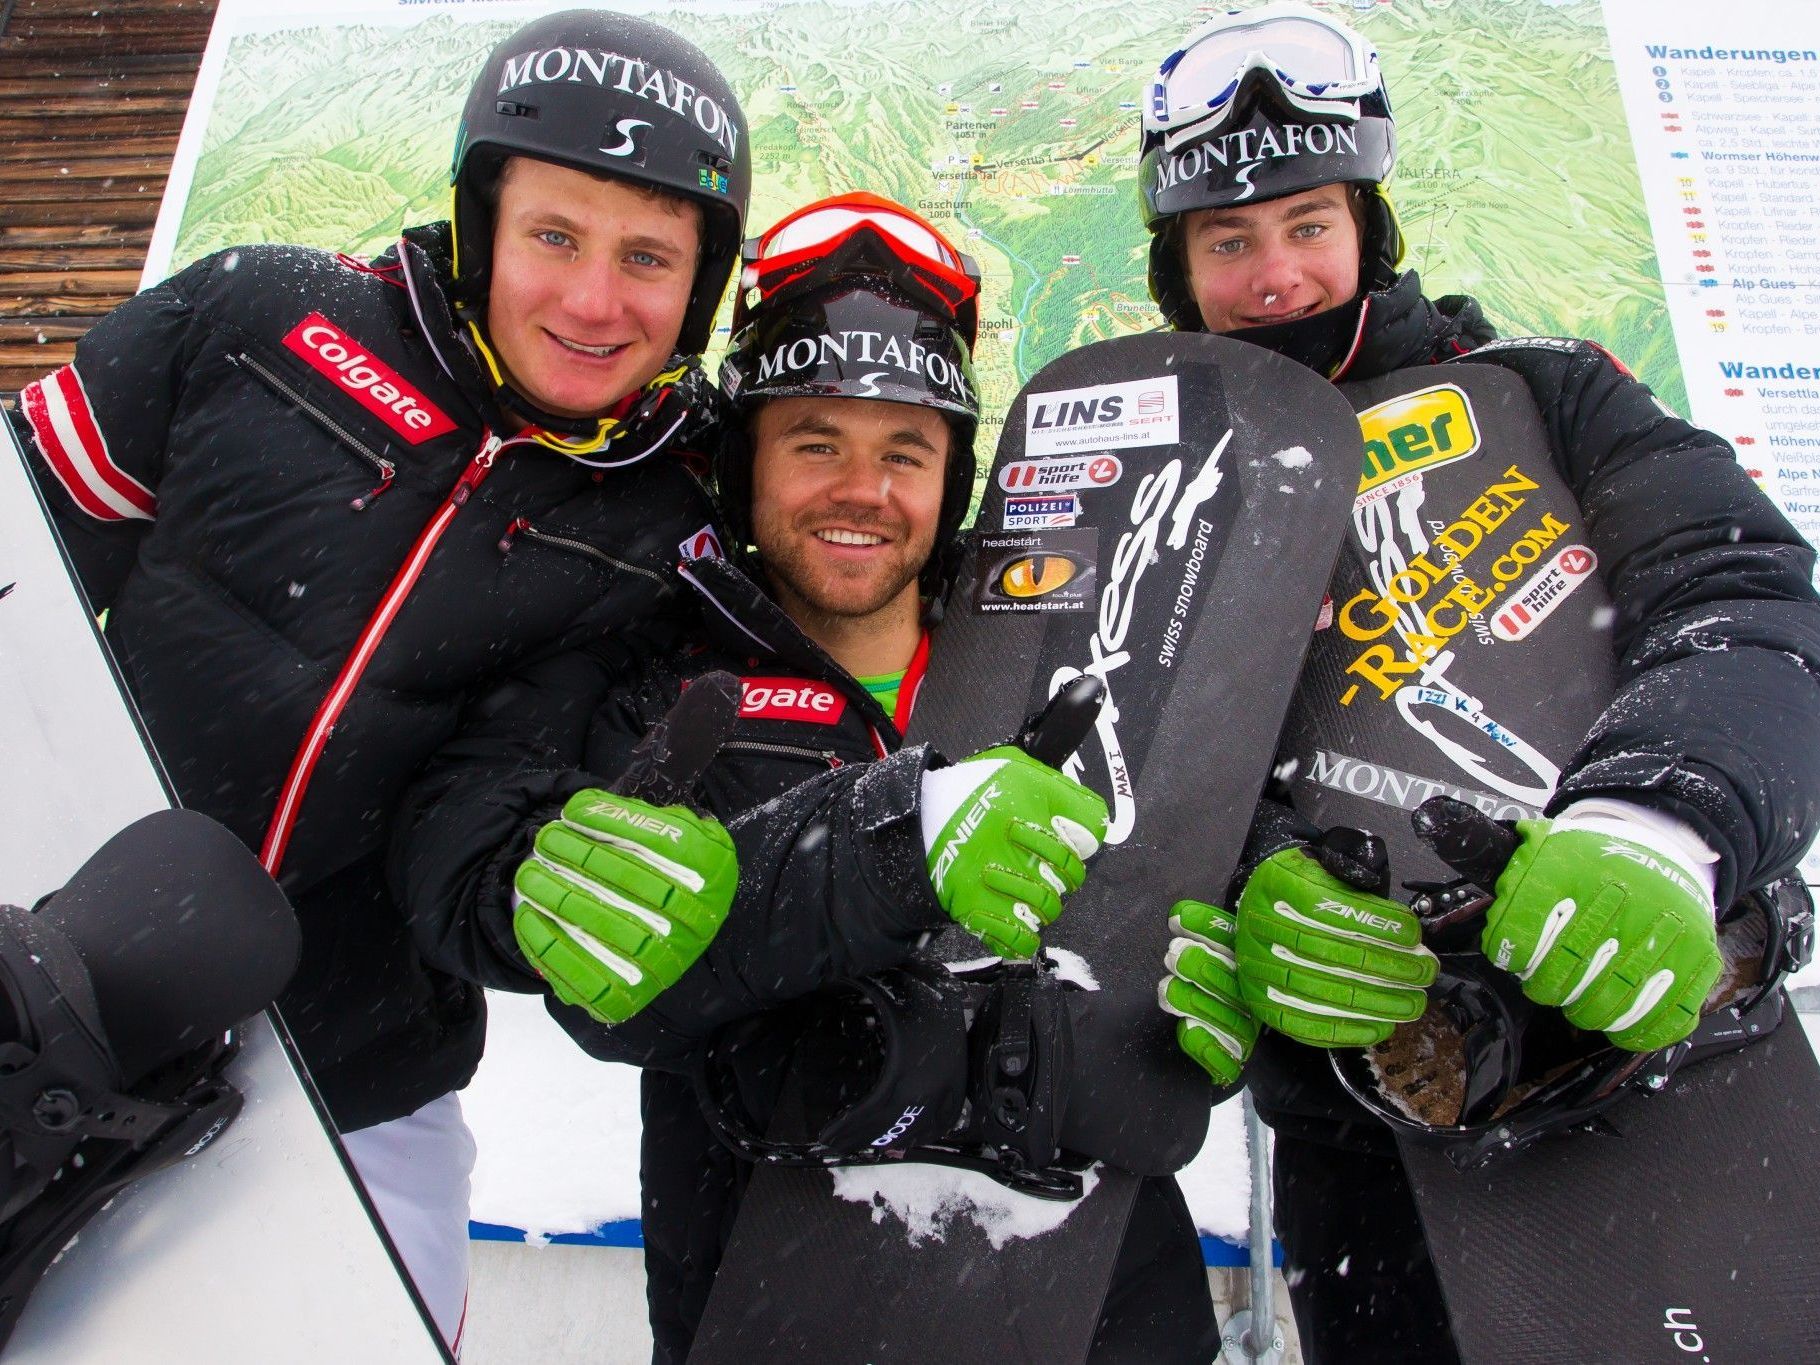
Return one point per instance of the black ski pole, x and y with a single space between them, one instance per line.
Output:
1054 733
1050 737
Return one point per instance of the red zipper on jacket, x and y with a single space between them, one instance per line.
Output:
335 701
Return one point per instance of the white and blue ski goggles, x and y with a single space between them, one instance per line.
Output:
1319 65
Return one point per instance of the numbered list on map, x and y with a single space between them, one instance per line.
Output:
1724 109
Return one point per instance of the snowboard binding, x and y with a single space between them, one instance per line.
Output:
114 1035
922 1064
1485 1071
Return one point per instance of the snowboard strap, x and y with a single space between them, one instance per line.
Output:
71 1134
920 1064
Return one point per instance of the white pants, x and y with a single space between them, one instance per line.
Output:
416 1171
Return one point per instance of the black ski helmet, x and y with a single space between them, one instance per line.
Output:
862 337
1227 121
614 95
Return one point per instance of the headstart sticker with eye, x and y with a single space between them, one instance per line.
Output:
1049 570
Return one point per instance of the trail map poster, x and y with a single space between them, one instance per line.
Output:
1641 172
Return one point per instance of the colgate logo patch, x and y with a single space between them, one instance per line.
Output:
372 383
789 699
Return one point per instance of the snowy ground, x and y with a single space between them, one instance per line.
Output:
558 1136
558 1152
558 1139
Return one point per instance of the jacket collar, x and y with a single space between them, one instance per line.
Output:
741 619
1404 327
425 261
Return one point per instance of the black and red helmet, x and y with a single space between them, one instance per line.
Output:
856 297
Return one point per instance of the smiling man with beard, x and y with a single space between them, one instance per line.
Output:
848 479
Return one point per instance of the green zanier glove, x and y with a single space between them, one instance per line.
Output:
1615 934
1323 962
620 898
1006 837
1202 990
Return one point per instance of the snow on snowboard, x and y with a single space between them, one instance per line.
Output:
1163 513
1467 652
259 1247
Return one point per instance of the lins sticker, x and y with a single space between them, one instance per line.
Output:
1142 412
1051 571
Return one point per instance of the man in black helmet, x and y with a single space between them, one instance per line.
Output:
1267 139
323 501
849 477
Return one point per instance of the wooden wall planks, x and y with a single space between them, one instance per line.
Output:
92 98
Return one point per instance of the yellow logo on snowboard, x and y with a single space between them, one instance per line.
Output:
1416 431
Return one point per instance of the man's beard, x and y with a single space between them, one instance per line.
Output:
834 595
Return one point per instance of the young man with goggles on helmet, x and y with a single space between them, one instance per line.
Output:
1266 143
844 485
323 501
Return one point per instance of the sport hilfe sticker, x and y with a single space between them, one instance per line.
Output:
1139 412
1061 476
1532 601
1031 513
1051 570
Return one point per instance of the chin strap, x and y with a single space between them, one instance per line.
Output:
669 395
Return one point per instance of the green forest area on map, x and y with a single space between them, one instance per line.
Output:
1014 127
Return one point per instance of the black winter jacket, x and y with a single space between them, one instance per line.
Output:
278 476
1717 634
808 754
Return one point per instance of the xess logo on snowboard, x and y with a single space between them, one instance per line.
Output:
1414 432
1173 529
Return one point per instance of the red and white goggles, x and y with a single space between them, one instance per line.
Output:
1321 67
859 234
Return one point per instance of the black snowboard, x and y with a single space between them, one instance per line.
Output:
1153 500
1691 1235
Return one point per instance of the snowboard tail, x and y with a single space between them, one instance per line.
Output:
1690 1234
208 1257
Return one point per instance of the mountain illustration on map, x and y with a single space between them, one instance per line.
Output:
1013 126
